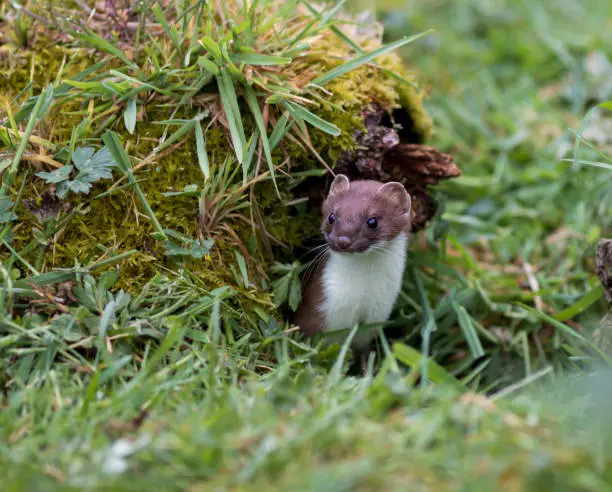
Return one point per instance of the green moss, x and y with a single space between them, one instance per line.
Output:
117 223
38 64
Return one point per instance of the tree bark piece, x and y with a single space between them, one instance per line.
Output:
603 265
381 155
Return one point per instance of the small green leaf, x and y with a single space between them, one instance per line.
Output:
129 116
281 289
79 186
81 155
62 189
57 176
107 318
102 159
92 167
295 293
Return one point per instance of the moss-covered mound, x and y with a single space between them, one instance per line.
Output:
222 111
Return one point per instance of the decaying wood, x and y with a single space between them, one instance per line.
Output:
381 155
603 268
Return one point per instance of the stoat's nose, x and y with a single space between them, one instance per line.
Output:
343 242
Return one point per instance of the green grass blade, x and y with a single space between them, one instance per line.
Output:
183 130
136 82
469 332
213 48
428 324
129 116
257 59
301 113
176 330
90 393
112 142
208 65
103 45
43 103
232 113
246 165
163 20
415 360
601 165
279 131
201 150
360 60
336 372
20 258
585 301
565 329
521 384
329 16
243 268
251 99
196 31
606 105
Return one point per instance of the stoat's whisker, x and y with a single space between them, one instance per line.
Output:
314 263
384 248
313 249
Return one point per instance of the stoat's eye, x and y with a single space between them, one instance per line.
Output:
331 219
372 223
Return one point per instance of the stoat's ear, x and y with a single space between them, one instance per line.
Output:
339 184
398 194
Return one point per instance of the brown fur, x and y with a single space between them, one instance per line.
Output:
308 317
352 204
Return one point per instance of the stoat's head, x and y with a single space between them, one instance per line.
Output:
359 215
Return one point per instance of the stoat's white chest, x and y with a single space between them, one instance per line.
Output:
361 288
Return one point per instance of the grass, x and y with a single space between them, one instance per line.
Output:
499 379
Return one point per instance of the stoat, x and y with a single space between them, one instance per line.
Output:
366 226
